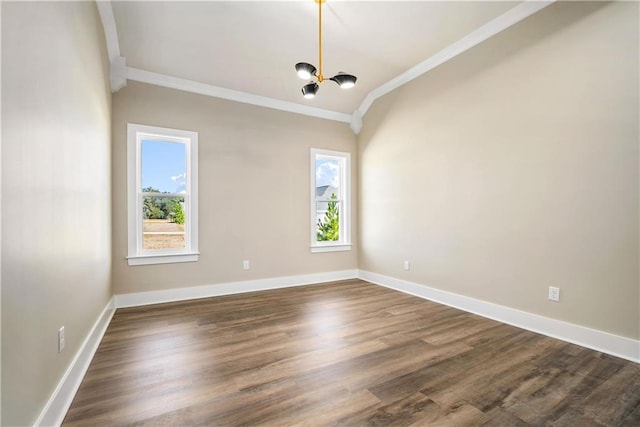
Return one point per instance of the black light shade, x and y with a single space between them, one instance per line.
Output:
304 70
310 90
345 81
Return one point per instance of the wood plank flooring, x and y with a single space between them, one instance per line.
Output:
346 353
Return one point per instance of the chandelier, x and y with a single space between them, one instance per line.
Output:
306 71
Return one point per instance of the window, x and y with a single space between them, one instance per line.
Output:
162 179
330 201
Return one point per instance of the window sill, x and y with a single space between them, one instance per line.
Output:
330 248
163 259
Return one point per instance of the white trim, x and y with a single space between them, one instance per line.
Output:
118 73
162 259
493 27
356 122
344 159
60 400
117 64
58 404
136 254
605 342
232 95
232 288
330 248
119 69
110 29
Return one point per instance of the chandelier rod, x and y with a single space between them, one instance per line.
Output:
320 78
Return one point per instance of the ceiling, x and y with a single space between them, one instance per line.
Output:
252 47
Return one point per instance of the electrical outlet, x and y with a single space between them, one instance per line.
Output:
245 264
554 293
61 339
407 265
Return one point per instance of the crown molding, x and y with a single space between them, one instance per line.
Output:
356 122
120 72
117 64
490 29
109 26
232 95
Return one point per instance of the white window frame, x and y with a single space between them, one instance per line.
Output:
344 160
136 254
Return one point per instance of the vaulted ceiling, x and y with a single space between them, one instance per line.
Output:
247 50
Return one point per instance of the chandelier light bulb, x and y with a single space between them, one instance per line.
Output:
309 91
305 70
345 81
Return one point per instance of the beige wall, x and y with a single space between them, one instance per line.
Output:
508 169
514 167
56 207
253 188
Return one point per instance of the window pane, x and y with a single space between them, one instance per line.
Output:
163 223
164 166
328 220
327 178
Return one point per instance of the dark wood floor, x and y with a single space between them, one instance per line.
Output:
349 353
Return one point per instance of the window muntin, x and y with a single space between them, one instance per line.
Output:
162 180
330 204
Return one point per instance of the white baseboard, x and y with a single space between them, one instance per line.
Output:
206 291
58 404
60 400
614 345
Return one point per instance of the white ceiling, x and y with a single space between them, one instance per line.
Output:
252 47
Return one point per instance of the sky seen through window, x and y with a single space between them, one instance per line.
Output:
164 166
